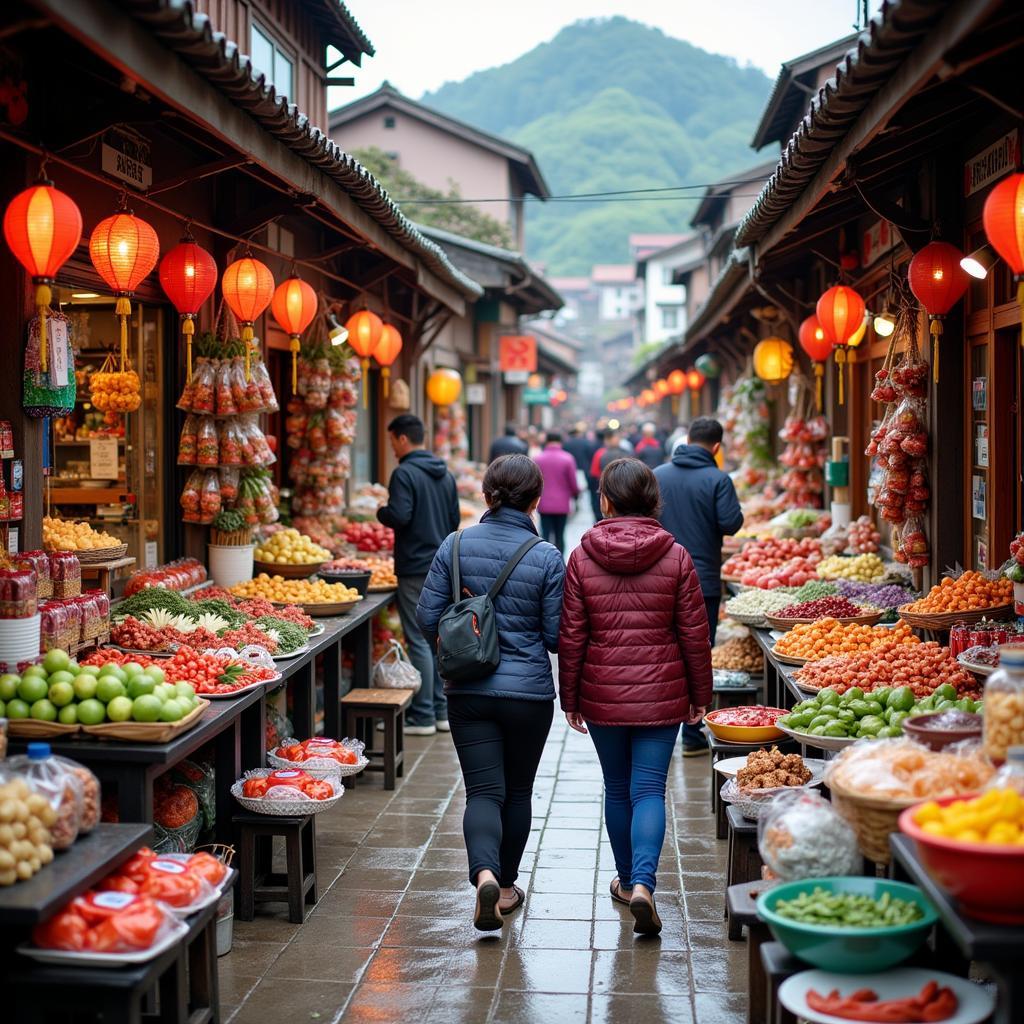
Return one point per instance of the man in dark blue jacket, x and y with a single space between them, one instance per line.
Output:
510 444
700 508
422 509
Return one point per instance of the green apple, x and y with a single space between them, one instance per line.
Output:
91 712
113 669
171 711
43 711
68 715
73 667
61 677
9 686
61 694
84 686
56 660
147 708
119 709
89 670
156 673
132 668
165 691
33 688
140 684
109 687
35 670
184 689
17 708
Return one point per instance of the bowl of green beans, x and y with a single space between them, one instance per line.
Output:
850 924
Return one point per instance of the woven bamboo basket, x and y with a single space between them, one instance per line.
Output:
148 732
867 619
97 556
287 570
33 729
757 621
872 818
949 619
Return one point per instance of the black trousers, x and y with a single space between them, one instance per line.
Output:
499 741
552 529
595 499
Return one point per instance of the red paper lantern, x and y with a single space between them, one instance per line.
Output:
294 306
124 250
938 282
386 352
841 314
364 331
43 227
661 388
677 382
1003 217
247 287
650 396
188 275
816 345
694 379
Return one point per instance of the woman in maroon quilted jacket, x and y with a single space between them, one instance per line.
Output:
634 662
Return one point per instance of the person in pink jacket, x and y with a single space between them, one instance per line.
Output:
561 488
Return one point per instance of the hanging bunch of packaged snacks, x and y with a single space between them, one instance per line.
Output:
218 386
113 389
49 392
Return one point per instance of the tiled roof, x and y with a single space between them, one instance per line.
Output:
190 34
352 40
891 35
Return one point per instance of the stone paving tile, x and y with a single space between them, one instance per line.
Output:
392 939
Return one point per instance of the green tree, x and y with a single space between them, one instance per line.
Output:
459 218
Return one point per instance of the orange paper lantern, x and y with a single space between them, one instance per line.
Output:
444 387
364 331
386 352
43 227
188 275
773 360
661 387
294 306
650 396
677 382
248 287
124 250
694 379
841 315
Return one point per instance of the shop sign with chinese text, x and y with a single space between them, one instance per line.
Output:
518 352
992 163
126 156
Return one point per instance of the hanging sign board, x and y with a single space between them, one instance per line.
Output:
476 394
518 352
537 396
878 239
992 163
516 376
126 156
103 458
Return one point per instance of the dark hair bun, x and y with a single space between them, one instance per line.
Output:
513 481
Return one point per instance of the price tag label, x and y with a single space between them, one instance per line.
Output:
57 334
103 458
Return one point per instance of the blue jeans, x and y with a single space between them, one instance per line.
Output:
429 704
635 760
693 735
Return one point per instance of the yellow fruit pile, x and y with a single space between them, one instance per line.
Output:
862 568
997 817
276 588
115 392
62 535
289 547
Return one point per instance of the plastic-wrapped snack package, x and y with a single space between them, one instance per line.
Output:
207 442
228 477
263 382
188 441
203 387
800 835
230 444
209 497
223 397
62 787
190 500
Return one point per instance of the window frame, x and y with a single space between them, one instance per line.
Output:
280 51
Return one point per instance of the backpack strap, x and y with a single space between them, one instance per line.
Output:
511 564
456 572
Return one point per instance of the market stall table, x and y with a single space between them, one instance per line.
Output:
1000 947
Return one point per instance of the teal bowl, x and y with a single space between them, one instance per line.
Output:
848 950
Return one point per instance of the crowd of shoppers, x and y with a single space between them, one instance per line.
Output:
632 619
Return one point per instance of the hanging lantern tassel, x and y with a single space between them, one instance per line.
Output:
385 376
366 369
123 310
44 296
188 328
293 347
247 336
841 367
936 332
819 373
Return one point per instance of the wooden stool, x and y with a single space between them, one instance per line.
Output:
744 858
259 883
741 906
779 964
361 710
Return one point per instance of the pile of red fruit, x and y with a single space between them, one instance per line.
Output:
303 783
822 608
370 536
862 538
793 573
317 747
771 553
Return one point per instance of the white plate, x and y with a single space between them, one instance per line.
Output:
729 766
231 694
292 654
976 1004
317 630
821 742
176 931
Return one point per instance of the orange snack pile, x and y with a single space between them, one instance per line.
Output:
922 667
969 592
816 640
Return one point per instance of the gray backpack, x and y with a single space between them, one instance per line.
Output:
467 632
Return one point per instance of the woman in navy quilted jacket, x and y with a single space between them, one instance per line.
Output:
500 723
634 661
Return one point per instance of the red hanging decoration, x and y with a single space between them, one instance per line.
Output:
1004 225
364 331
677 382
247 287
938 283
386 352
816 345
841 314
43 227
124 250
294 306
188 276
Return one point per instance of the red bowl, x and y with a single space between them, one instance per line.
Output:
987 880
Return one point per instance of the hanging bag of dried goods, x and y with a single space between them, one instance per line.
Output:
203 384
190 500
222 388
230 444
188 441
49 392
914 543
61 787
262 378
207 443
209 497
228 476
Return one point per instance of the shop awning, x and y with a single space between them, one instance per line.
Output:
224 96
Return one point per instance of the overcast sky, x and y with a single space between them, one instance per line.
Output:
421 44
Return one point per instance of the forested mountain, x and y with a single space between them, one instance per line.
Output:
611 104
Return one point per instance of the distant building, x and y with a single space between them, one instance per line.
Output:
433 147
580 298
619 293
662 314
